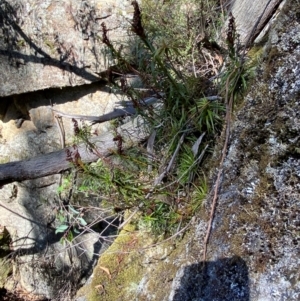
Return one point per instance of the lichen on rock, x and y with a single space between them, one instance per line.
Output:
258 210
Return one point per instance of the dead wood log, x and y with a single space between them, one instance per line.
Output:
125 137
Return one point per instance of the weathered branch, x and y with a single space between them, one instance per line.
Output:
118 112
52 163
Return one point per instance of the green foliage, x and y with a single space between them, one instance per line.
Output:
199 194
161 218
186 165
234 80
118 183
66 183
208 115
70 223
161 54
165 54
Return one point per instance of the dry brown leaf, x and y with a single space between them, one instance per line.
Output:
106 270
219 58
99 288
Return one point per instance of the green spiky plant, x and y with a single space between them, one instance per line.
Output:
238 72
156 57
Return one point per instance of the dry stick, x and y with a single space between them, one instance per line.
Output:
252 34
150 147
59 125
157 181
228 118
55 162
214 203
61 131
193 51
171 163
117 112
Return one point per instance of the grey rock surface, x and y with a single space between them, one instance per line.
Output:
254 248
257 216
29 209
251 16
43 265
51 43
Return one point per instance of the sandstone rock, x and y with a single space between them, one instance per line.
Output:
39 133
42 263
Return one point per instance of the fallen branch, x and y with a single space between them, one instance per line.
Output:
128 110
229 104
56 162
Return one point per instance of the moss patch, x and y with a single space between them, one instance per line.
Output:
123 271
5 265
259 198
119 269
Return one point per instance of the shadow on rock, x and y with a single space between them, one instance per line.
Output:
220 280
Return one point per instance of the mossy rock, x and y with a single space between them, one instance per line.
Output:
119 269
5 271
5 265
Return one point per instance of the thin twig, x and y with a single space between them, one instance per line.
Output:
171 163
216 190
150 147
61 132
129 218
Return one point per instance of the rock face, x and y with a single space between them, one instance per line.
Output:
51 54
254 247
258 209
46 44
251 17
42 46
258 213
38 132
28 209
42 263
